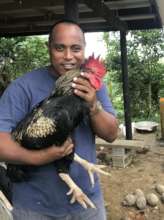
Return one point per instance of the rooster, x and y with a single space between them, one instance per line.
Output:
52 122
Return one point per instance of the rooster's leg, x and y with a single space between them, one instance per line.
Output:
77 193
91 168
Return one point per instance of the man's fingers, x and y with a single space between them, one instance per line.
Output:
82 81
69 140
69 149
85 75
81 94
82 88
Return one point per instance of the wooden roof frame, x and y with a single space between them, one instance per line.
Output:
34 17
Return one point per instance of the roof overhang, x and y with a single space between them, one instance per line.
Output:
28 17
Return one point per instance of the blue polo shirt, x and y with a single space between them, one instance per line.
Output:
45 192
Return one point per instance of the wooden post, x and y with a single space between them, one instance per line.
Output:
162 117
71 10
125 80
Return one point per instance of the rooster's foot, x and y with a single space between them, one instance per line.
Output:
77 194
91 168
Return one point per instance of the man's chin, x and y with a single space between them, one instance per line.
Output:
58 71
62 71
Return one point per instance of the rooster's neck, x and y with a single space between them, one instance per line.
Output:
63 85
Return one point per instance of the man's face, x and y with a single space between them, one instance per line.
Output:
66 48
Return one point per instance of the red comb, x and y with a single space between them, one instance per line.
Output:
96 67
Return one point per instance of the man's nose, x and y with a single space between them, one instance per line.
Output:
68 54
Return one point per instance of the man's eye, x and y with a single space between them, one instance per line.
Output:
59 48
76 49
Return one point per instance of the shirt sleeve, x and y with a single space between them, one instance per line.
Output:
103 97
14 105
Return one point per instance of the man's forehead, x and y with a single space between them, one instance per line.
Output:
67 25
67 29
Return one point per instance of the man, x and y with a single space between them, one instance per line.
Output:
44 195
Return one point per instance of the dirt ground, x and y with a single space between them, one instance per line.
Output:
146 169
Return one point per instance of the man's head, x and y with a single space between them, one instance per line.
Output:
66 46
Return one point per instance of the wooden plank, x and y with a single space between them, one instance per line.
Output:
128 144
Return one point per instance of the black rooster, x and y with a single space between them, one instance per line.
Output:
52 123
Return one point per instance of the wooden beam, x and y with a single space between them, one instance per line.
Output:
23 31
137 17
109 15
128 144
29 20
97 27
127 4
48 17
71 10
6 1
16 6
34 29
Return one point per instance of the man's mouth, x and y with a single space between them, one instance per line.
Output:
68 66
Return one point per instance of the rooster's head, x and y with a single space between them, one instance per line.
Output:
96 69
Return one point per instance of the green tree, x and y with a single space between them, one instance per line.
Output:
113 78
146 73
19 55
22 54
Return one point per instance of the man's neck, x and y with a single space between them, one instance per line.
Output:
52 71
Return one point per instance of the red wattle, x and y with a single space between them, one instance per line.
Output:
95 82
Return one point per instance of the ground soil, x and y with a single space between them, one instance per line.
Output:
146 169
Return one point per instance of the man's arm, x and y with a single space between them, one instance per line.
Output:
104 124
12 152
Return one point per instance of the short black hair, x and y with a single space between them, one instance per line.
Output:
65 20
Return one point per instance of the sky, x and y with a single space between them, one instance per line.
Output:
94 43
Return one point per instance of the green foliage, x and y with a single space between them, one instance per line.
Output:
22 54
146 72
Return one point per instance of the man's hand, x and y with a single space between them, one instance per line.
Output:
52 153
65 149
83 88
